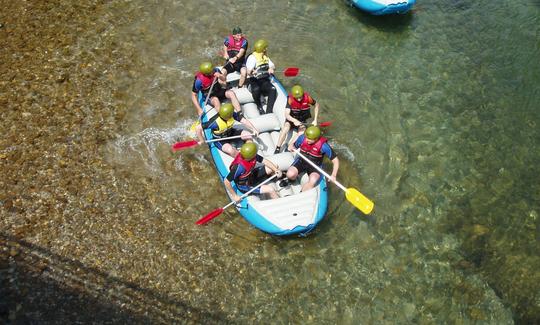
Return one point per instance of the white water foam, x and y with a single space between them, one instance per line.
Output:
145 145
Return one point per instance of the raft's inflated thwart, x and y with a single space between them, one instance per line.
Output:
384 7
294 212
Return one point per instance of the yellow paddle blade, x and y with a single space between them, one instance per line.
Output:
358 199
194 125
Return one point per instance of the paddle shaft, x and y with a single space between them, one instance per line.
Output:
227 138
251 191
320 169
209 93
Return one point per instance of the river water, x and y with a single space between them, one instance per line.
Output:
435 118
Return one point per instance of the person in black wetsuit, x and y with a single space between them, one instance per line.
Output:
260 69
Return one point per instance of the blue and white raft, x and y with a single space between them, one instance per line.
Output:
384 7
294 212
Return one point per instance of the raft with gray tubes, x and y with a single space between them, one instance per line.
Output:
294 212
384 7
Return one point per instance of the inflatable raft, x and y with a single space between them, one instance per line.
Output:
294 212
384 7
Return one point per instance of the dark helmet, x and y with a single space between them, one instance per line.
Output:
313 132
237 30
248 150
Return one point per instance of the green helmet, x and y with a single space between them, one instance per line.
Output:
248 150
313 132
226 111
206 68
260 45
297 91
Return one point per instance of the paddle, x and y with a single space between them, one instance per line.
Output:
193 143
291 72
194 125
322 124
218 211
357 199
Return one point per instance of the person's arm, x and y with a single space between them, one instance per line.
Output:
225 52
316 113
240 53
250 65
195 100
271 66
296 144
250 125
330 153
335 167
199 132
291 119
272 166
228 186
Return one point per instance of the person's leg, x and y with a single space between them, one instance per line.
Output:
295 135
223 78
215 103
256 94
282 135
270 91
292 173
246 136
312 181
229 149
243 73
234 100
270 190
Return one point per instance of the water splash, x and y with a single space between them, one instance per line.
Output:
147 145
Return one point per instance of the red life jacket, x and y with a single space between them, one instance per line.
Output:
206 81
248 166
234 45
302 105
313 151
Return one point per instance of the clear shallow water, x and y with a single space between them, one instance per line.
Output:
434 114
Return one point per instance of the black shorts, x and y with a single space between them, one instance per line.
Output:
302 117
218 92
303 166
257 176
232 67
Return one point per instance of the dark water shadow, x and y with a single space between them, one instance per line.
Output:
387 23
38 286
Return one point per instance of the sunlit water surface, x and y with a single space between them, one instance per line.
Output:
435 118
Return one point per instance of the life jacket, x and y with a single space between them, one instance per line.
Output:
262 66
206 81
224 126
248 168
313 151
234 47
302 105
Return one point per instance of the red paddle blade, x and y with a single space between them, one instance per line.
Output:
209 216
325 124
291 72
185 144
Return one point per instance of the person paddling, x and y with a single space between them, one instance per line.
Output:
297 113
222 127
260 69
206 82
246 175
234 51
313 146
